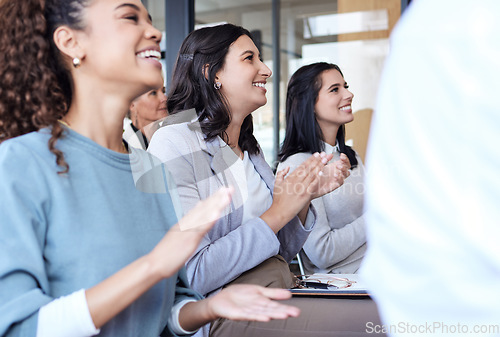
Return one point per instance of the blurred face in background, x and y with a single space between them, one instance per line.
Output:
148 108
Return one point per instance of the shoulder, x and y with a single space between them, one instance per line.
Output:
176 141
26 147
187 131
26 162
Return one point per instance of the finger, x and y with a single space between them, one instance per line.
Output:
276 293
281 311
345 159
302 170
313 166
205 214
274 310
280 176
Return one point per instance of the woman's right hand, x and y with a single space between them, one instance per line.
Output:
240 302
294 191
183 238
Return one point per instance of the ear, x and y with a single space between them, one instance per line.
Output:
66 41
205 69
132 107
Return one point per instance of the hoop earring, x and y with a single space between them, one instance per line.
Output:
217 85
76 62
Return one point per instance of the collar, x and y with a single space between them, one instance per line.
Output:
331 149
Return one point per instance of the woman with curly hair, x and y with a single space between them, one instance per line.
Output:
318 106
218 81
89 238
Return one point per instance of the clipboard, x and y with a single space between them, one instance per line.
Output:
321 285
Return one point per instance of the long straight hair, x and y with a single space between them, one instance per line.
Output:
201 56
303 133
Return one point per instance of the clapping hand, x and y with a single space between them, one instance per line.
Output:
332 176
183 238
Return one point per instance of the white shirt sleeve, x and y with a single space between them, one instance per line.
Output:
66 316
173 320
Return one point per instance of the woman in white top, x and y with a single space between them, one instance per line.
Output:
318 106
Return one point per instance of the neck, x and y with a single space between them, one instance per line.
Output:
99 120
329 133
233 132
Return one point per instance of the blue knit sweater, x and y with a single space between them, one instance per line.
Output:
63 232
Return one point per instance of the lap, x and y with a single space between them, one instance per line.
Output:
319 317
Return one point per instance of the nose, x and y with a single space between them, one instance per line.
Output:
163 96
349 95
153 34
265 71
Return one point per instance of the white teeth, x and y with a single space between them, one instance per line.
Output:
262 85
348 107
150 54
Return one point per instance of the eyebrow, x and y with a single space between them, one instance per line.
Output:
249 52
336 85
333 86
127 4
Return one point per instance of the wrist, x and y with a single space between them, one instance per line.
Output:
155 267
274 218
194 315
209 308
303 214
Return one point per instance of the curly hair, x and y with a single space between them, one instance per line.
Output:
36 86
203 52
303 133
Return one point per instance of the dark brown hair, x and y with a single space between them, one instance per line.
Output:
36 85
303 133
206 48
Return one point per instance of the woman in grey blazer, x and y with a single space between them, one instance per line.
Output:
218 81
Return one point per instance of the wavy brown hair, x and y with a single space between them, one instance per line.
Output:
190 88
36 85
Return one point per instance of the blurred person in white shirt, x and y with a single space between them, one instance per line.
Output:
433 186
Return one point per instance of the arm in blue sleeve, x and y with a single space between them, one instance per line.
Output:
23 282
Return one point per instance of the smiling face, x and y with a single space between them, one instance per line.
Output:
243 77
120 47
333 105
149 108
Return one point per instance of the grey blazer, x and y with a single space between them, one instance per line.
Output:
199 168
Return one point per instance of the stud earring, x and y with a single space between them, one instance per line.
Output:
217 85
76 62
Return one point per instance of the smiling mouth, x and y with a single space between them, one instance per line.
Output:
150 54
259 84
345 108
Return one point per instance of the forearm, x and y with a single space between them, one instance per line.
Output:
303 213
326 246
212 266
293 236
114 294
275 218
